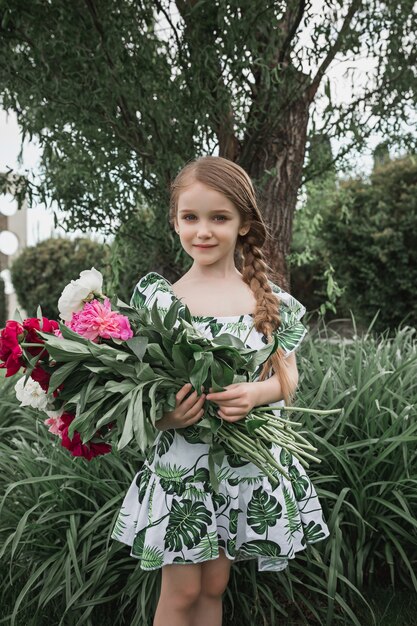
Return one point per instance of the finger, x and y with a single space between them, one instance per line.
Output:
232 412
223 403
230 394
183 392
189 402
231 418
194 401
193 416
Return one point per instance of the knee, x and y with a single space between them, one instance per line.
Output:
214 586
188 595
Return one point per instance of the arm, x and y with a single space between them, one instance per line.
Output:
270 390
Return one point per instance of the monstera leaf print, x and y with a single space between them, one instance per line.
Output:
285 457
313 531
261 547
263 511
208 547
235 460
188 523
231 547
179 559
138 299
299 483
293 520
202 319
191 434
290 332
152 558
234 516
219 500
139 542
194 491
215 327
142 481
171 477
165 442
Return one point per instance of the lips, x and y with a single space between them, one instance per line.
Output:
201 246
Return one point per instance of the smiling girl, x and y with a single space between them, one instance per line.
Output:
171 516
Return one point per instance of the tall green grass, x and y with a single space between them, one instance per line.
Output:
58 564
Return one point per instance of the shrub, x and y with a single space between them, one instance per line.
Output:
371 238
40 273
143 244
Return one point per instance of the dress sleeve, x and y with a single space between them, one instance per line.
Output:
145 291
291 331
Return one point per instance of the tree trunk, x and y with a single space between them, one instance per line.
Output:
282 154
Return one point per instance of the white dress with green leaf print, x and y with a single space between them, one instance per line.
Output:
171 514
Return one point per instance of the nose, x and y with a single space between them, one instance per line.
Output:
203 230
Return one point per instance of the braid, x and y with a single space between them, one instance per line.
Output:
267 318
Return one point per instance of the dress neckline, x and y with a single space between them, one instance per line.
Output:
217 317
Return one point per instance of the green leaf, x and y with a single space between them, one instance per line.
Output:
61 374
172 314
138 346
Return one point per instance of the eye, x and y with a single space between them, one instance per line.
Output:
222 217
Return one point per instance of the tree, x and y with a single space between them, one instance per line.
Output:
122 94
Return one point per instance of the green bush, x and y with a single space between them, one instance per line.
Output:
2 303
40 273
59 565
371 238
143 244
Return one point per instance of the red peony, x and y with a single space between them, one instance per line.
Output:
41 377
31 325
75 446
11 355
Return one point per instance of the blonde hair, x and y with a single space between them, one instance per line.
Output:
233 182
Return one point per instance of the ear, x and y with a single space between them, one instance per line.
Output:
243 230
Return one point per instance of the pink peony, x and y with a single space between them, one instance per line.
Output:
56 424
98 320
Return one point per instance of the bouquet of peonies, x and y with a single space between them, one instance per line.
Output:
108 371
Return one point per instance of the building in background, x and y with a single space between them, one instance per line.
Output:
13 237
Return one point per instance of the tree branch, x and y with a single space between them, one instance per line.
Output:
292 29
312 89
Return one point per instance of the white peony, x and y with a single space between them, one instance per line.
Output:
72 298
31 394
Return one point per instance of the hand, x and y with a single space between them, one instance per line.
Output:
236 402
186 412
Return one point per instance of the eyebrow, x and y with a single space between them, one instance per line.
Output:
213 211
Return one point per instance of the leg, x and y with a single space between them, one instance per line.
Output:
180 588
214 578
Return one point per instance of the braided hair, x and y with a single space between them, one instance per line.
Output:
233 182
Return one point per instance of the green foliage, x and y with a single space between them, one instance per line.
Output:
40 273
143 244
2 303
58 564
370 236
161 90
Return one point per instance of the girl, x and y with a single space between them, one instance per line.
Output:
171 517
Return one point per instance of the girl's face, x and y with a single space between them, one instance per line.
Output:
206 217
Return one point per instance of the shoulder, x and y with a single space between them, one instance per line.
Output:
288 304
146 289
